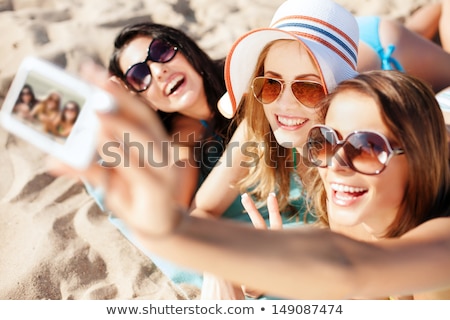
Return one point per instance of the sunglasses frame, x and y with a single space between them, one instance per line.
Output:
150 58
283 84
340 143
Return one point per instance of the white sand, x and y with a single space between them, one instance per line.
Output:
54 241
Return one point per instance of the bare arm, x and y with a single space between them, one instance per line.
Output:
309 262
322 264
186 133
218 191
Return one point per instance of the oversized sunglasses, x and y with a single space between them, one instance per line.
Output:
366 152
267 90
138 77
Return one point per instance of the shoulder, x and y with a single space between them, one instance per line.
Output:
434 229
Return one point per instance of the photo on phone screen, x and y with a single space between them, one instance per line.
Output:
55 111
48 107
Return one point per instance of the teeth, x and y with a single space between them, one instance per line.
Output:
343 188
291 121
173 84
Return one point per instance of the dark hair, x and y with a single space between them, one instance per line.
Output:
33 101
210 70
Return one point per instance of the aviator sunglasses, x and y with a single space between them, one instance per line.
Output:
138 77
366 152
267 90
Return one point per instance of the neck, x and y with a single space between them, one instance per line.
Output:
358 232
199 110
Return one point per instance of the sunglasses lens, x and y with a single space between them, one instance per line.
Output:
308 93
139 76
367 152
321 142
161 51
266 90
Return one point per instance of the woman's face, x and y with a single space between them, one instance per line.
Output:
289 119
175 86
71 112
353 198
26 95
53 102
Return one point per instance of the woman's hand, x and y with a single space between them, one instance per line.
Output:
275 221
131 141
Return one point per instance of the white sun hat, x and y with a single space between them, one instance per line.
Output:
328 31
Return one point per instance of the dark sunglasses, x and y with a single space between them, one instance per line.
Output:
366 152
138 77
267 90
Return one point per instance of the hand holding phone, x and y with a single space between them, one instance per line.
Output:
55 111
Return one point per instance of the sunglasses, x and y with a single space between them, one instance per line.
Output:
366 152
138 77
267 90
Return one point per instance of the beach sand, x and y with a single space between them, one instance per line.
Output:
55 243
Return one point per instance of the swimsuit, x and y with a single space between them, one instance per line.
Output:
180 275
369 33
236 212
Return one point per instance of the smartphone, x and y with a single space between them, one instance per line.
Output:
55 111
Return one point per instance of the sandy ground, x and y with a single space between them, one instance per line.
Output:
54 241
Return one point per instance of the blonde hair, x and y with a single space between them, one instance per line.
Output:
275 163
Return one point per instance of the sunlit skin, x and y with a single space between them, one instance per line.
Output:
26 96
289 119
376 203
52 102
176 86
70 113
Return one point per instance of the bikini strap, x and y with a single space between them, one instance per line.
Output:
387 61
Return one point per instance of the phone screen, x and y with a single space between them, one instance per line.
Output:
48 107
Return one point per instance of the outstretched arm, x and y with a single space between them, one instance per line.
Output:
308 262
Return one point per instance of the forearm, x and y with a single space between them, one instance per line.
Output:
309 263
285 264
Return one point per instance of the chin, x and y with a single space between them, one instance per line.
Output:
343 217
290 142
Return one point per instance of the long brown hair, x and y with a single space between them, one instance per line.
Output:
218 128
411 113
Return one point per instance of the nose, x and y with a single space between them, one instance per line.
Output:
158 70
286 97
339 161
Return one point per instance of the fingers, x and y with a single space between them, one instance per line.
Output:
129 106
276 223
256 218
137 146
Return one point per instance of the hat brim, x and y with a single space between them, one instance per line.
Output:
243 56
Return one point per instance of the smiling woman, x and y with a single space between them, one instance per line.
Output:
169 71
329 265
164 68
387 173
